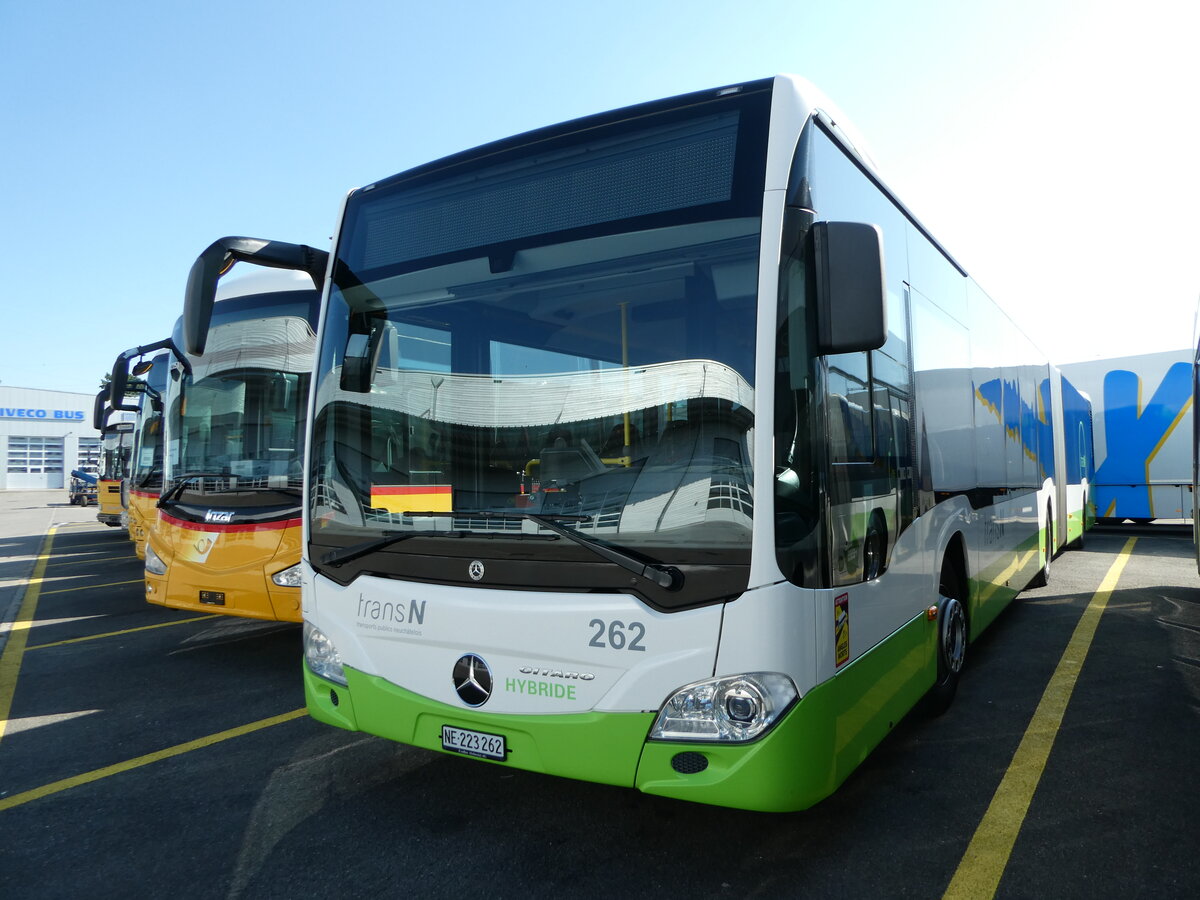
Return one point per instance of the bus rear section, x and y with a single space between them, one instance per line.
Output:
227 533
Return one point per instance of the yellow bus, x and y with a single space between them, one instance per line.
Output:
227 534
140 491
116 441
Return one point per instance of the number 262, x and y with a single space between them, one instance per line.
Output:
620 636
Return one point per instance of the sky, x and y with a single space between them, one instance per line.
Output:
1050 145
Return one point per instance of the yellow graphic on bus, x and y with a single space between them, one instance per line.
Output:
404 498
841 629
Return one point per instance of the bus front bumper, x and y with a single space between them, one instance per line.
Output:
789 768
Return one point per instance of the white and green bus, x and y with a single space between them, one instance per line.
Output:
662 448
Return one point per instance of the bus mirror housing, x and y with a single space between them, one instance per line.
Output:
850 287
118 384
361 360
218 258
100 411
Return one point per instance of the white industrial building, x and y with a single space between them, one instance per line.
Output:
43 436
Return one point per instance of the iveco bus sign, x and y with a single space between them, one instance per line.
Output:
11 412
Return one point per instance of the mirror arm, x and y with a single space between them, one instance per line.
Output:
219 257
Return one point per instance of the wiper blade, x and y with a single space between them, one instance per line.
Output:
184 480
354 551
667 577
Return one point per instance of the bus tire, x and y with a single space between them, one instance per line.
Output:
951 641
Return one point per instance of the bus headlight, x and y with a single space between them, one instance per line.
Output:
289 577
734 708
321 656
154 563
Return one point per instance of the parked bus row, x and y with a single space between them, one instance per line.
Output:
663 448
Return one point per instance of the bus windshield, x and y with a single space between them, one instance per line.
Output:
114 454
237 420
146 468
540 332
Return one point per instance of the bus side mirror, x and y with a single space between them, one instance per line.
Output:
850 287
119 382
218 258
100 411
361 359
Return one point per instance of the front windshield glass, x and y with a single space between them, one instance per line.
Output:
236 422
146 467
114 455
550 348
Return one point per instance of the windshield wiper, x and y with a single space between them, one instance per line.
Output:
185 480
667 577
354 551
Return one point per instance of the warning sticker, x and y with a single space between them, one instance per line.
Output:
841 629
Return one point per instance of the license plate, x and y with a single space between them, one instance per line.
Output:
474 743
213 598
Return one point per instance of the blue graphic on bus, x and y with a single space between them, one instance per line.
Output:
1134 434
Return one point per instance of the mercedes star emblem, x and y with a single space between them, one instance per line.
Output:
472 680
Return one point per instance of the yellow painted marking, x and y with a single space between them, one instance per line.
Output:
94 559
1153 453
14 648
117 768
92 587
983 864
73 547
998 581
108 634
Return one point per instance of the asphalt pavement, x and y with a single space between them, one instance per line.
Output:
148 752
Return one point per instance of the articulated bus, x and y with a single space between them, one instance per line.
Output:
142 487
1144 421
1196 452
116 442
663 448
1074 459
227 534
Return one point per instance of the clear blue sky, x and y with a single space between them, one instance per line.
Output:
1050 144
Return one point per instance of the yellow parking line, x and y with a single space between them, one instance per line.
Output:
94 559
14 648
71 547
117 768
92 587
108 634
983 864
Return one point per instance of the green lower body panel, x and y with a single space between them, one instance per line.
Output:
601 747
809 752
817 744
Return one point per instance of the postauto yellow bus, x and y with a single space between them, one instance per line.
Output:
116 441
142 488
227 534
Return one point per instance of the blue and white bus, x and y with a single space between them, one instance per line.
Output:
662 448
1143 425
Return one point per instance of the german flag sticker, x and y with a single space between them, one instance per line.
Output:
403 498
